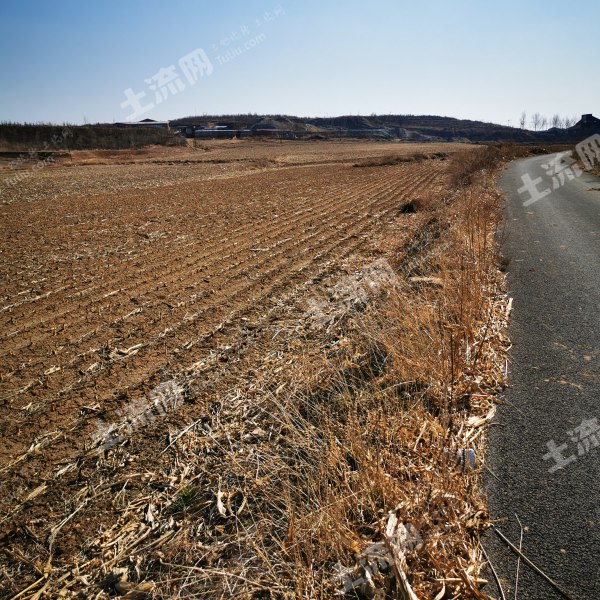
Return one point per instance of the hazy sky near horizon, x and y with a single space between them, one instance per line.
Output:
73 61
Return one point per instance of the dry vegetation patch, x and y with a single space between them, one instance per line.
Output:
288 451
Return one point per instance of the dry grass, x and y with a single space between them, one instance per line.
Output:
333 467
370 437
468 162
294 494
595 170
396 159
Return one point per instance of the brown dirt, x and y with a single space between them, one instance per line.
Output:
120 276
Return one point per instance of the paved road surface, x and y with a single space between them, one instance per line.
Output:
553 246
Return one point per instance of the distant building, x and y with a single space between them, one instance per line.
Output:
228 131
186 130
216 132
145 123
269 130
587 122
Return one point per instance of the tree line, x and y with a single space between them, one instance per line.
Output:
538 122
44 137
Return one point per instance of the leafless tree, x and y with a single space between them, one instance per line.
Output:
556 120
536 120
523 120
569 121
544 123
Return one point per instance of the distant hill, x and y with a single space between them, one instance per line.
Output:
417 128
393 127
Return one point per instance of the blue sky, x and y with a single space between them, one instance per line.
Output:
71 61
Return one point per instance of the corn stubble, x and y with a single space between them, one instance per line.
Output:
341 467
341 477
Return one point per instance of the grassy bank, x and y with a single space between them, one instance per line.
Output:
350 472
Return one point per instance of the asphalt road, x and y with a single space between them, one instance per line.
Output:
553 398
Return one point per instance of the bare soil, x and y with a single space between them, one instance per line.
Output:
123 270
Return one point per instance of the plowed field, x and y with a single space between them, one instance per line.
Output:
119 277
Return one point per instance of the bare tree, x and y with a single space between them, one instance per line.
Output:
523 120
556 120
536 120
569 121
544 123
